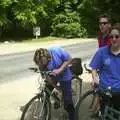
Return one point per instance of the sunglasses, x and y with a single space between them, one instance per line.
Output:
104 23
114 36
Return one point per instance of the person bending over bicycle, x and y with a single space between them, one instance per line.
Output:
107 61
56 59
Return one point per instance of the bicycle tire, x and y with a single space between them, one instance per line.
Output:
30 113
85 107
76 90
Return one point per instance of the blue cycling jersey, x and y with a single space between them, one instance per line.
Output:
59 55
109 66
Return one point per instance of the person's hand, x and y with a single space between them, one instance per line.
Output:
95 83
57 90
57 71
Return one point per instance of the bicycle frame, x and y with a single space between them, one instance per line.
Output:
109 110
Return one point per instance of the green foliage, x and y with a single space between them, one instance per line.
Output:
3 20
68 18
88 16
69 30
5 3
68 26
3 16
25 12
89 11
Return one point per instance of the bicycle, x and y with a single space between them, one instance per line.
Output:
110 113
39 107
87 104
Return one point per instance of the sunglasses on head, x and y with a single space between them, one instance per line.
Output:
114 36
104 23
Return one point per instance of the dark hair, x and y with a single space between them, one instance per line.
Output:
105 16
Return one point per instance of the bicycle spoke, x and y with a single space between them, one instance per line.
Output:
35 112
75 91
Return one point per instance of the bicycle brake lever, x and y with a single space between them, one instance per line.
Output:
51 73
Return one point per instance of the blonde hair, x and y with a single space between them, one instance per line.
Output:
39 53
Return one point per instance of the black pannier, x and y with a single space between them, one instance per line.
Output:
76 66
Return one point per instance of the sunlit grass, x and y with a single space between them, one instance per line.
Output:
42 39
33 40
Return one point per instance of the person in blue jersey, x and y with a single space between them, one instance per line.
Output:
56 59
103 40
107 61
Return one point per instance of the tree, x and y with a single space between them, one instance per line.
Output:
22 15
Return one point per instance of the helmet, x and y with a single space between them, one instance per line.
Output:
39 53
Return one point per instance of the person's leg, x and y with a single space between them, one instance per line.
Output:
116 104
96 107
68 103
103 102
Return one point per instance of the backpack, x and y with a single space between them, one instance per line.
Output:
76 66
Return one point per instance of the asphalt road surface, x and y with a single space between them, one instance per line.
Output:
15 66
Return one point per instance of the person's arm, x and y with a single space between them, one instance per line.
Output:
96 64
53 83
66 59
95 77
62 67
65 64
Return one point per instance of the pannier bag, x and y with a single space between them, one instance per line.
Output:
76 66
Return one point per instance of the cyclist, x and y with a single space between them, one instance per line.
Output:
57 59
103 40
107 61
103 34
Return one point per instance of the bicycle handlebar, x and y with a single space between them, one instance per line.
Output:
35 69
106 91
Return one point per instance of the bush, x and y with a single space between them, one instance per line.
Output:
68 26
69 30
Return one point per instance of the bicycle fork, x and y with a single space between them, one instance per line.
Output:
43 104
40 111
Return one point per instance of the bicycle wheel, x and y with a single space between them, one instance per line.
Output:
86 107
76 90
38 108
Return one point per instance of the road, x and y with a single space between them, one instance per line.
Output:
18 84
15 66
